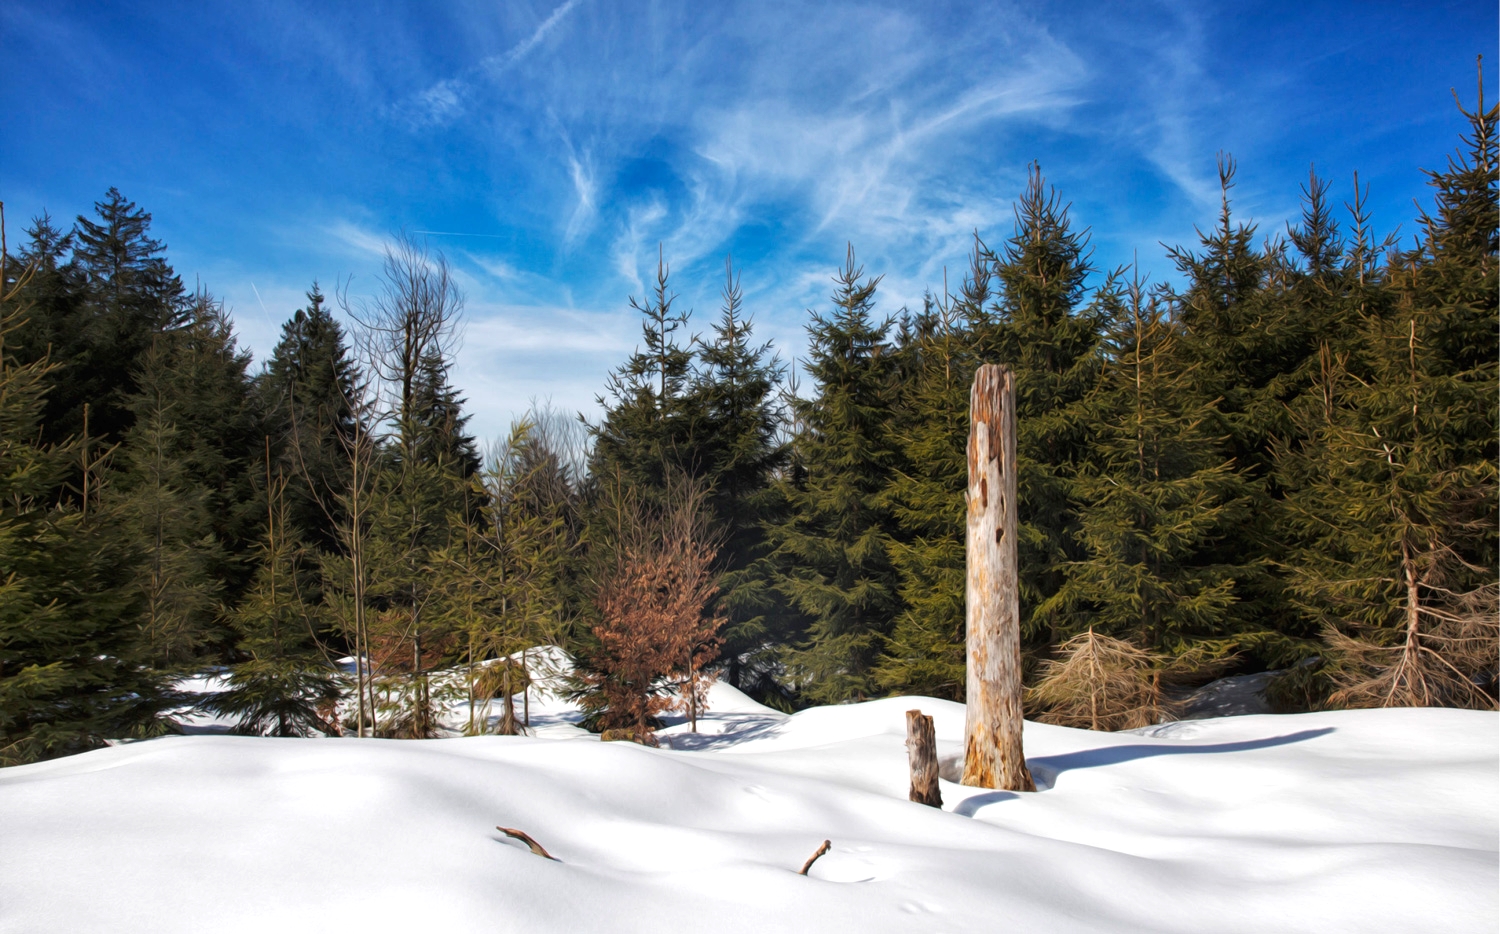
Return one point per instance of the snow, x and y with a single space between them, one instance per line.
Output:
1365 821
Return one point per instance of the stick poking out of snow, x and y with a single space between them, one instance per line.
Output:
541 851
814 858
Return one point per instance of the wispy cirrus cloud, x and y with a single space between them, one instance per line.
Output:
780 139
497 65
550 146
357 240
880 166
447 100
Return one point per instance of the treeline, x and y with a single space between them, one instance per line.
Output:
1286 461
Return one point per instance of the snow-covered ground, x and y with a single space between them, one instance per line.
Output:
1360 821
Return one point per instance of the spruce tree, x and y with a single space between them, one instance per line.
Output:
1318 300
926 652
167 513
1046 335
305 395
734 389
55 290
1245 329
186 483
833 549
131 295
1225 316
1155 500
1393 494
651 423
281 684
71 669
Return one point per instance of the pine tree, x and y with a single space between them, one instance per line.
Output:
304 393
735 391
926 652
131 296
650 424
282 685
1155 500
1045 335
167 514
71 672
833 549
1393 495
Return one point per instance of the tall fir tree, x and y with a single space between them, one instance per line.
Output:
651 423
1393 493
1155 499
735 390
833 549
281 684
926 651
1046 335
131 296
305 394
72 673
168 514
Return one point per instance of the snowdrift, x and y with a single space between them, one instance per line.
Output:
1360 821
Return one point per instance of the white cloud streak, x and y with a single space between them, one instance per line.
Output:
782 130
497 65
446 101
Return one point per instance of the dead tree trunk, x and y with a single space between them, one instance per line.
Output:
993 756
921 752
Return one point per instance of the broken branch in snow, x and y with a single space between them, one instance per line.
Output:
538 849
814 858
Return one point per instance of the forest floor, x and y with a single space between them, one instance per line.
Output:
1359 821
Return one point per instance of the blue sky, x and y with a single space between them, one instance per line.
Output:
550 146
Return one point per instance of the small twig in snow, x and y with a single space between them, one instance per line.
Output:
539 850
814 858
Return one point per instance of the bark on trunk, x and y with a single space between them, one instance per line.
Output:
993 756
921 752
508 718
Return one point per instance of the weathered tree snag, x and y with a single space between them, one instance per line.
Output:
993 756
921 752
525 838
814 858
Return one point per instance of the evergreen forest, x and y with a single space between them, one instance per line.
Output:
1283 461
